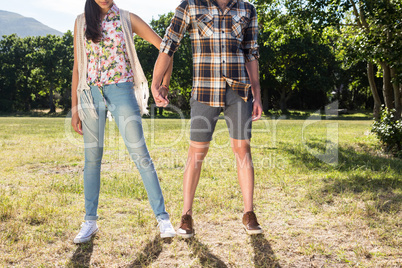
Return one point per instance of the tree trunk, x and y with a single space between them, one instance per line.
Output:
265 100
67 100
51 102
387 86
373 87
397 94
27 105
160 111
282 103
27 94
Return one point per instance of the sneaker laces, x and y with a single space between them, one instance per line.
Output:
86 229
186 217
165 225
251 217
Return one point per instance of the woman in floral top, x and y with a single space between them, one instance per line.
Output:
107 76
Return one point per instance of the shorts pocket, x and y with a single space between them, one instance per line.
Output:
205 25
242 89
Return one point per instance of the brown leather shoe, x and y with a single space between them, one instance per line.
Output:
250 223
186 229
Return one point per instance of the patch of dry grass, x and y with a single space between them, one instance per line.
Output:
314 214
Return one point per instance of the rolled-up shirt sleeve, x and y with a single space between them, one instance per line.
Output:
250 41
176 30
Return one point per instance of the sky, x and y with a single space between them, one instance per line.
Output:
61 14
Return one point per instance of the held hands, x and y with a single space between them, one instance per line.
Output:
160 95
76 123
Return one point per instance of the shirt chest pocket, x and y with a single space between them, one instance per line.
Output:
205 25
239 25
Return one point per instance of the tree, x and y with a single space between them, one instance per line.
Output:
18 63
8 73
298 64
56 64
376 26
34 68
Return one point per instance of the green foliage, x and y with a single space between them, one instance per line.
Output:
34 70
297 64
370 29
389 131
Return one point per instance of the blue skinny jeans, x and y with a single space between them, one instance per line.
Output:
121 102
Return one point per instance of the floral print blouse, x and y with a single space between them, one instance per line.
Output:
108 60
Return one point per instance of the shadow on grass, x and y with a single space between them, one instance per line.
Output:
264 256
356 172
348 158
82 255
201 251
150 252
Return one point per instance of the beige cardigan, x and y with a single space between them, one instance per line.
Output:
140 81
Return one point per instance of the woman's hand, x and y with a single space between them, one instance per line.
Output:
76 123
160 96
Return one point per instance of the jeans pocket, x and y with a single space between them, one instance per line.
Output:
125 85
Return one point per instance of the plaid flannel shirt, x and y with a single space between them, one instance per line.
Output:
222 42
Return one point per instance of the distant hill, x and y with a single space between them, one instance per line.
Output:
15 23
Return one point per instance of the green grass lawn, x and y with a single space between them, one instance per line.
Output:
324 200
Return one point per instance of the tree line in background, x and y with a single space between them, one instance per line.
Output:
35 72
312 52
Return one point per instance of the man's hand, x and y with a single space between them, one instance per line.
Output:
162 64
76 123
164 90
160 96
257 109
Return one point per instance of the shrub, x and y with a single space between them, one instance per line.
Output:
389 131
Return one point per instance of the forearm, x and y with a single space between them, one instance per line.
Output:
74 85
254 75
168 74
161 69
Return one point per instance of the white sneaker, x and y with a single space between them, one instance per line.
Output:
89 229
166 228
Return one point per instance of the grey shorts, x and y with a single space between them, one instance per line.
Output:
237 115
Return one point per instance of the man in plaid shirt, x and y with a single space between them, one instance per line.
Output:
225 78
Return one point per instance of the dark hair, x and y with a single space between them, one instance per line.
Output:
93 21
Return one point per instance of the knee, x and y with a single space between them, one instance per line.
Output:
93 158
242 152
198 150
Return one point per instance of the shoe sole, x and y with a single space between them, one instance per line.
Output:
85 240
167 235
186 235
253 232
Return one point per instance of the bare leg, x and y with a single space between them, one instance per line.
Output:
245 171
196 154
